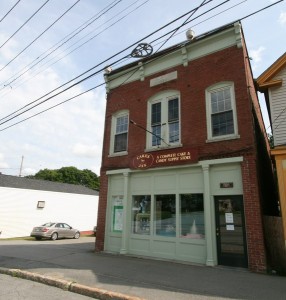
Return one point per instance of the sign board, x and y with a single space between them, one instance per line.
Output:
147 160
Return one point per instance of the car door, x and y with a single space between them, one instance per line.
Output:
59 229
68 232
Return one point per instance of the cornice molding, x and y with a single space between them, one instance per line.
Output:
265 79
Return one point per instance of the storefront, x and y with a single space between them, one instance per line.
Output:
192 213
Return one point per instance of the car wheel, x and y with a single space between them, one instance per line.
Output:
54 236
77 235
38 238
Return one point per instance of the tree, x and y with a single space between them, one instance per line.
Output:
69 175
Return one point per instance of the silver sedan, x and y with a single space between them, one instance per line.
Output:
54 231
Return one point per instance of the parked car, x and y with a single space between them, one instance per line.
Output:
54 231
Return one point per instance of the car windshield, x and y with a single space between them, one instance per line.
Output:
48 224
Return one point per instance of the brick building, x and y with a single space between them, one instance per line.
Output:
182 176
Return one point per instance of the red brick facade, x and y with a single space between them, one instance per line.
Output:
230 64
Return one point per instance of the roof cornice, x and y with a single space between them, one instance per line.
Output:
265 81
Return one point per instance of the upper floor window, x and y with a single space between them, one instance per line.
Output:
119 132
221 112
164 120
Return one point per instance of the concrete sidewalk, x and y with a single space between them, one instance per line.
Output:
107 276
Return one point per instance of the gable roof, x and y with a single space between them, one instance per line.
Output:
265 80
44 185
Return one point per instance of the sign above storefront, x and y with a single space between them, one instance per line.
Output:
148 160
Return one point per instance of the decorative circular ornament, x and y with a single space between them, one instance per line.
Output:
142 50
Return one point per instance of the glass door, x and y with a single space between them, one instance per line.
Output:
230 231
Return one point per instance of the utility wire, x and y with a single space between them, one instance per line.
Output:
60 43
118 53
24 23
69 99
174 32
10 10
40 35
104 82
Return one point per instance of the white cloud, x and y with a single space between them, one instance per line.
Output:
256 55
282 18
86 150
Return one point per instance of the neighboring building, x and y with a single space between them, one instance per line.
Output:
25 203
183 148
272 82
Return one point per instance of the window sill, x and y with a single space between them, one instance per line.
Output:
223 138
163 148
118 154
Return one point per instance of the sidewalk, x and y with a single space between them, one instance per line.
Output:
129 278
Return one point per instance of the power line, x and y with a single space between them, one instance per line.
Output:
69 99
94 86
91 70
40 34
10 10
24 23
61 43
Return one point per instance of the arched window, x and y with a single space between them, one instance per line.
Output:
164 120
221 112
119 133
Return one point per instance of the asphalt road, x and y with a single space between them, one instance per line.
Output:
76 261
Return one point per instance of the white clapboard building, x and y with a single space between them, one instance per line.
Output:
25 203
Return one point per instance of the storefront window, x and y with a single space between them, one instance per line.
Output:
165 215
192 216
141 206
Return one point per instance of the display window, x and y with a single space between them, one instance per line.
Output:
141 214
192 216
165 214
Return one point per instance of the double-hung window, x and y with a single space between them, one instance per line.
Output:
164 121
119 137
221 112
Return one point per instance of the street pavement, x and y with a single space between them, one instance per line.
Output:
12 288
107 276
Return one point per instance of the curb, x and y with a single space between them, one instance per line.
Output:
70 286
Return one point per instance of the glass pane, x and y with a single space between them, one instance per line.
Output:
231 228
222 123
156 113
120 142
156 137
220 100
192 216
122 124
165 215
141 214
174 132
173 110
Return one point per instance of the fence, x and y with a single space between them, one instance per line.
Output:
275 247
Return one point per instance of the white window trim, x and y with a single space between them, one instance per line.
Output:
118 114
162 97
208 91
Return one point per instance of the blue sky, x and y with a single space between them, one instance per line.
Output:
71 134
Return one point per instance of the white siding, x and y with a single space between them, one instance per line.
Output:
277 98
19 212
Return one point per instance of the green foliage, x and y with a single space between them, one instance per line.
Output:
70 175
270 139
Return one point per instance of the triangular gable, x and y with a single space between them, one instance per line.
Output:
265 80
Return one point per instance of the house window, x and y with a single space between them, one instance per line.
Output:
221 112
164 121
119 136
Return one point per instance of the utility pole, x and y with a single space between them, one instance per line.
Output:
21 167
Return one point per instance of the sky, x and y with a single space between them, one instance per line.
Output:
46 46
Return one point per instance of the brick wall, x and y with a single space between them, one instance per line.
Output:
192 81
